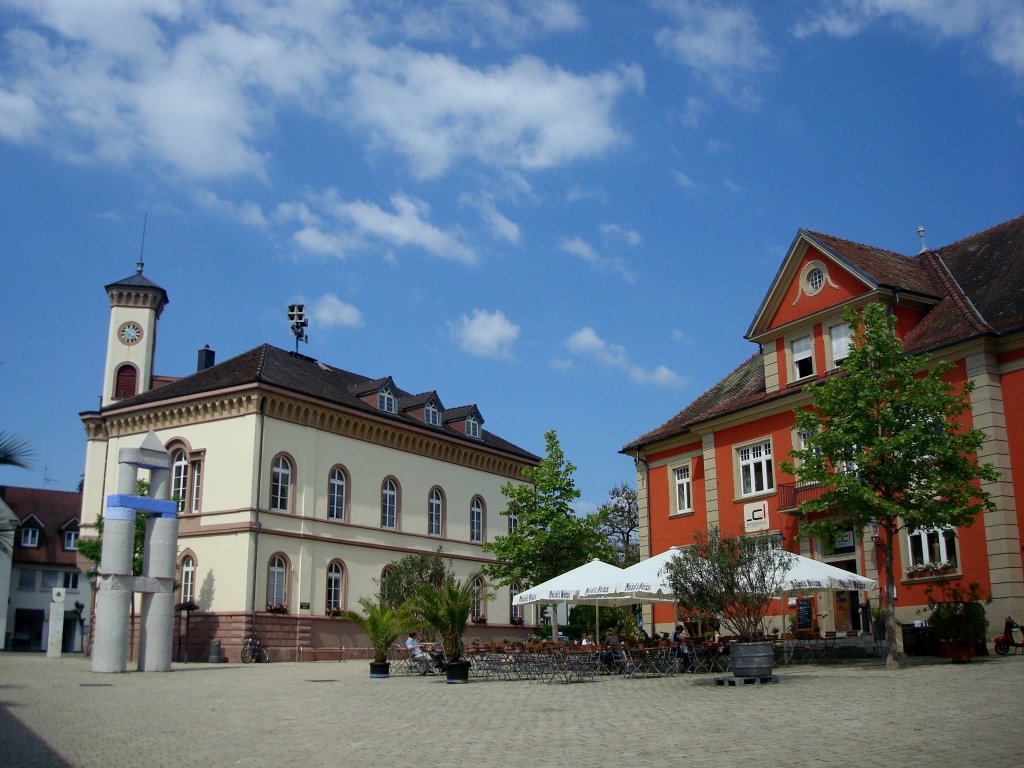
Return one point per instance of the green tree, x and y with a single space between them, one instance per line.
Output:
402 579
92 548
382 623
732 578
886 440
446 608
546 537
618 520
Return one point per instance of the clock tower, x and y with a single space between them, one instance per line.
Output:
135 305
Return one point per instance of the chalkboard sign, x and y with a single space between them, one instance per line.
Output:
803 613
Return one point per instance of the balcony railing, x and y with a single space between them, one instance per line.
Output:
790 495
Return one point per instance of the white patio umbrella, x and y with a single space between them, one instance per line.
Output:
566 587
642 582
815 576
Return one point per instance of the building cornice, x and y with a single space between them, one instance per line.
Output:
307 412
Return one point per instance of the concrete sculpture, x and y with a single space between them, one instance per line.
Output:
116 582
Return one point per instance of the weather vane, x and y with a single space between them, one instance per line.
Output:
297 317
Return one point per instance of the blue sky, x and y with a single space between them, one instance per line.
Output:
564 212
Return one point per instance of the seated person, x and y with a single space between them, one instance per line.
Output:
611 654
679 637
421 657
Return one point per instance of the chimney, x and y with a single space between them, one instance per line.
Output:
206 356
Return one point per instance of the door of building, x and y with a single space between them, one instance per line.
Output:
28 629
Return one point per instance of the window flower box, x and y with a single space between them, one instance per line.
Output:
277 608
479 619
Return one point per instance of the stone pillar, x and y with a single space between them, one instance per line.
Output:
157 634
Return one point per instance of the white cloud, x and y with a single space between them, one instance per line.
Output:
694 110
614 232
332 225
681 336
732 186
577 246
496 22
997 26
329 311
527 115
683 180
248 213
721 43
585 342
196 89
501 226
486 334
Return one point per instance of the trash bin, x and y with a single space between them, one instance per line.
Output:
918 640
215 651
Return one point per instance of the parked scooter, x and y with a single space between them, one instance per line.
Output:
1006 641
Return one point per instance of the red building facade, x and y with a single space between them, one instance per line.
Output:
717 461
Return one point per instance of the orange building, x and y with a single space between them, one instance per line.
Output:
717 461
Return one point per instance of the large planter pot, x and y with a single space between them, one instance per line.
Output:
380 668
752 659
958 652
457 671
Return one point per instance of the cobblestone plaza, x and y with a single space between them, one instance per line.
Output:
56 712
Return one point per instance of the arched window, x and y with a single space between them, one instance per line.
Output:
477 610
476 520
126 382
186 477
188 579
516 611
335 586
280 484
179 478
277 584
389 504
513 522
336 496
435 513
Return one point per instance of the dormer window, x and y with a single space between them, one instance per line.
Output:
30 537
803 359
71 541
431 415
386 400
472 427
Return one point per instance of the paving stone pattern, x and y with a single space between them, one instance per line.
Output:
56 713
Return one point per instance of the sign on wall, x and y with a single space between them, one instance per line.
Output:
755 516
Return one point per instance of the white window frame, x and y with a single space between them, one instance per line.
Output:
472 427
30 538
513 522
179 478
755 463
389 504
839 344
188 579
337 489
431 415
682 482
335 585
281 484
386 400
196 474
801 355
516 611
71 580
71 541
479 587
277 587
476 520
435 513
948 557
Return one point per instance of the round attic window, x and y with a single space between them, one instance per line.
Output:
814 277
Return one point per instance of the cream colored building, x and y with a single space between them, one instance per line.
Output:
298 483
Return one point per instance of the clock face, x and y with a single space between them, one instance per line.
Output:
129 333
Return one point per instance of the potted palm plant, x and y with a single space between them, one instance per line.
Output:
446 608
382 624
733 578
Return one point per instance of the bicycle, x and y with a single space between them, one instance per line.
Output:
254 652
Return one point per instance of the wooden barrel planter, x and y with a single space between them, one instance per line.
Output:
752 659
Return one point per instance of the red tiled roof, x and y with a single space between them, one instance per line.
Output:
53 509
978 281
